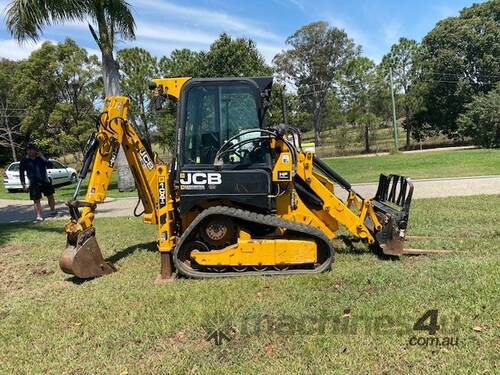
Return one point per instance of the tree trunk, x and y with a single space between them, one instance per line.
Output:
408 129
316 129
111 78
110 75
147 135
9 135
367 138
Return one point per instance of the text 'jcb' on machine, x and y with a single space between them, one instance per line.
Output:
238 198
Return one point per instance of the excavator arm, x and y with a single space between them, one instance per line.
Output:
82 256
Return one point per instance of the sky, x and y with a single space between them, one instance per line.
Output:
165 25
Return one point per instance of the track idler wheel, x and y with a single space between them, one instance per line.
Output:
82 257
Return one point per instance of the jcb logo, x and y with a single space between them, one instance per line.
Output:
200 178
145 159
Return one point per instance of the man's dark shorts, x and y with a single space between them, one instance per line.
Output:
36 190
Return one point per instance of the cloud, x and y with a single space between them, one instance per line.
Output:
197 16
10 49
269 50
173 33
185 27
291 3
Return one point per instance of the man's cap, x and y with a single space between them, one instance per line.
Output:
31 146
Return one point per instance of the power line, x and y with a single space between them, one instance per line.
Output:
312 92
479 77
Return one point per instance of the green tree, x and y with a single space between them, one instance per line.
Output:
314 62
138 67
362 86
78 86
181 63
58 85
10 113
460 59
402 59
36 91
275 115
228 57
481 119
108 19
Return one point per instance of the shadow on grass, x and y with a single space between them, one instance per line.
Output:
354 246
147 246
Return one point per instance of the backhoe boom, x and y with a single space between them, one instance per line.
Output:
151 179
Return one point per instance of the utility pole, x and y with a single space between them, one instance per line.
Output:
393 111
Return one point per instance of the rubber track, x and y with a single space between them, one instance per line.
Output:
253 217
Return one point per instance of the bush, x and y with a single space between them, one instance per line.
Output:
481 119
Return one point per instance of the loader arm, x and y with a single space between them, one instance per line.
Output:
379 220
82 256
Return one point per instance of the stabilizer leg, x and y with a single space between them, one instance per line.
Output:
166 275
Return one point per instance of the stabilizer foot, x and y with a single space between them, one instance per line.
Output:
166 275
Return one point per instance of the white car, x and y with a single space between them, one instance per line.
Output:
59 174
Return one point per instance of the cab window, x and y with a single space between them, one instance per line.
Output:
215 113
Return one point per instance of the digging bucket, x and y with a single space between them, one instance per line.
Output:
83 258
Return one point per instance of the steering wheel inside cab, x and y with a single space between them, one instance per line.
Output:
248 149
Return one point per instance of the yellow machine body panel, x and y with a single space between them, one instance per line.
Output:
260 252
171 86
283 168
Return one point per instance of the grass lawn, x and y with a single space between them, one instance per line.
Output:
123 322
456 163
63 193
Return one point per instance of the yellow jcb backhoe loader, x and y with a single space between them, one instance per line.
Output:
238 198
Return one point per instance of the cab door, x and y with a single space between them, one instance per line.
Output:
213 112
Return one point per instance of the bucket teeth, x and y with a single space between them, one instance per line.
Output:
83 257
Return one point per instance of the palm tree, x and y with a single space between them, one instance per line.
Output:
27 18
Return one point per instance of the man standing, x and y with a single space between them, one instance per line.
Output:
34 165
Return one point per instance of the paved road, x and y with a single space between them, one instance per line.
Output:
16 211
443 187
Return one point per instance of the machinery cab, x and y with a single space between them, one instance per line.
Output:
227 112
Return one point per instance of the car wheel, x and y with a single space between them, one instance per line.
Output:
74 178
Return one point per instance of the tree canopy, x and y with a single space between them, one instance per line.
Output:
403 62
460 59
57 86
314 63
481 119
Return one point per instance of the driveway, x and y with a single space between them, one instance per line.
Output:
443 187
16 211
